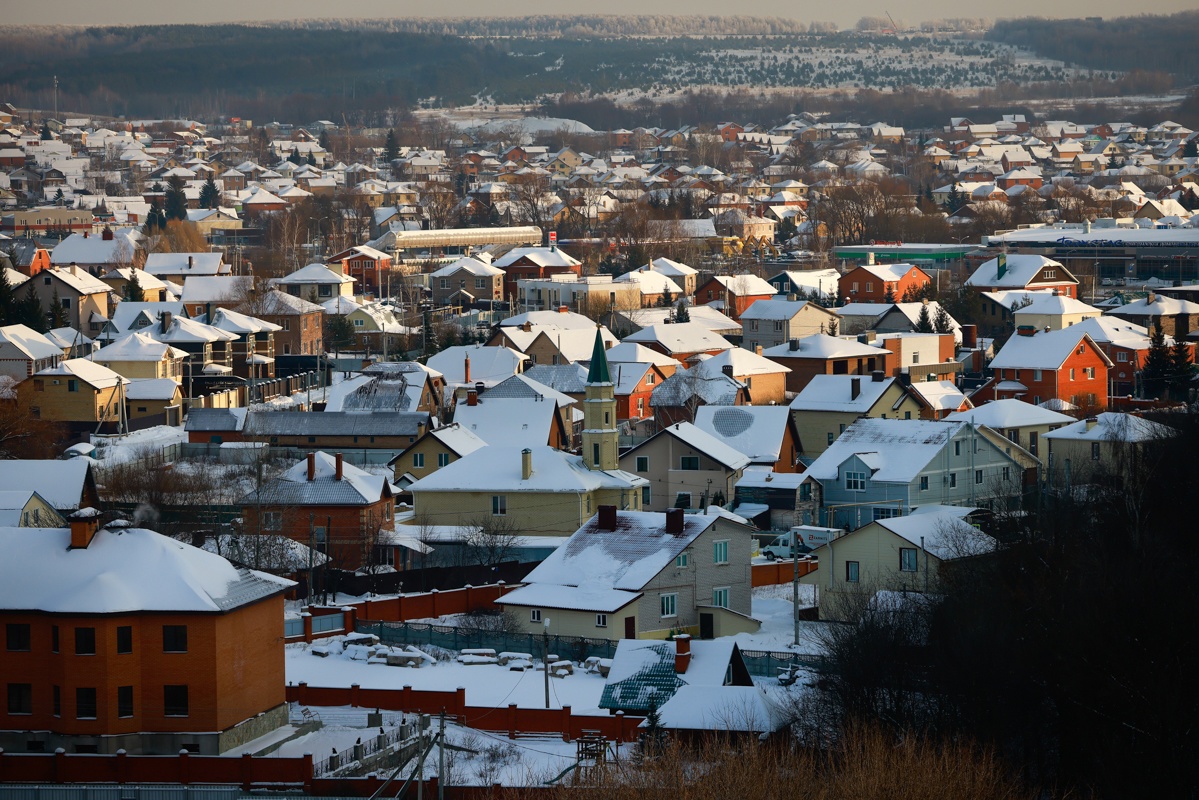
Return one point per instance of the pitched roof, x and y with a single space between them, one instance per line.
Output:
541 256
356 488
1010 413
743 362
334 423
314 273
62 483
185 264
823 346
597 371
835 393
566 378
498 468
630 352
1043 350
940 395
680 337
697 438
717 389
942 531
137 347
898 449
34 345
97 375
1020 271
487 364
1111 426
122 570
508 421
756 431
775 309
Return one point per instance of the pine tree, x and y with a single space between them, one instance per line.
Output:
682 315
1181 369
8 300
941 321
1156 369
155 219
339 333
311 161
889 295
655 735
133 288
209 196
30 311
175 206
1191 148
391 148
924 322
296 158
46 134
57 315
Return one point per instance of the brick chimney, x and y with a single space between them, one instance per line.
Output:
727 369
526 464
84 524
472 397
682 653
106 235
607 518
970 336
877 376
166 321
563 310
757 349
339 469
674 521
855 388
466 370
311 466
1026 330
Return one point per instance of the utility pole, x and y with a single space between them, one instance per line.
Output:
795 582
56 97
545 655
441 757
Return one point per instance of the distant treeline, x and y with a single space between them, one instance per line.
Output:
1151 43
578 26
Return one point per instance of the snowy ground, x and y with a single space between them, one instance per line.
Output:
773 606
138 444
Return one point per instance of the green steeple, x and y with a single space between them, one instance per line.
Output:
598 372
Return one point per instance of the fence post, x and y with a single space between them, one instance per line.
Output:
460 700
122 766
354 695
566 723
468 606
247 772
307 618
184 777
400 609
620 727
433 603
307 767
60 765
406 697
512 720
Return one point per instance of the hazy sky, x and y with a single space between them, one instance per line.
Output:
89 12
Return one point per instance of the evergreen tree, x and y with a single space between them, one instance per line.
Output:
955 199
889 295
1156 369
46 134
9 310
654 737
682 315
924 322
339 333
1191 148
209 196
57 314
155 218
296 158
175 206
311 161
324 140
58 196
1181 369
133 288
391 148
30 311
941 321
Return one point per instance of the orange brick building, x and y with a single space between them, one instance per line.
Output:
826 355
1038 366
121 638
871 283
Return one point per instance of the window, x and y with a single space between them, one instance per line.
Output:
480 283
978 476
753 324
174 701
682 500
39 385
272 520
20 698
499 505
646 494
1089 372
85 703
445 283
831 437
124 701
805 492
851 572
1122 356
72 385
418 460
643 463
907 415
957 448
66 302
174 638
650 379
884 512
1094 451
595 453
855 481
124 639
778 325
18 637
720 597
669 604
682 560
915 358
720 552
690 463
1050 274
1007 473
53 630
907 559
534 615
924 483
443 459
85 641
1071 373
870 286
601 620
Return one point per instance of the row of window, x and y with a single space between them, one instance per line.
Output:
19 638
907 563
778 324
418 460
20 701
686 463
856 481
1088 372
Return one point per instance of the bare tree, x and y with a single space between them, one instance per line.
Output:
490 540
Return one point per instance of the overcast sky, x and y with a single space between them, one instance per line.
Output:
89 12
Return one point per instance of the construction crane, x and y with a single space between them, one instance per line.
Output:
894 27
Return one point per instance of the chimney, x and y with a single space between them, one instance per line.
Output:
877 376
339 471
527 327
970 336
526 464
466 370
1026 330
674 521
682 652
727 369
472 397
1047 329
792 297
1091 423
793 344
563 310
85 234
191 261
607 518
855 388
479 387
106 234
1055 292
84 524
166 321
420 430
311 467
1152 298
757 349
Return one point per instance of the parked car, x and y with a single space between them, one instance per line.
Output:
781 548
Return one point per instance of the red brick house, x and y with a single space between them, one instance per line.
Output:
120 638
370 267
343 510
734 293
1037 366
872 283
523 263
1126 345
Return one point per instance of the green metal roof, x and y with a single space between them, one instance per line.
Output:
598 372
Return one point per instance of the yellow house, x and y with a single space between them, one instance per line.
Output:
25 508
76 391
1021 423
900 554
1047 311
830 403
1106 447
438 448
153 288
141 356
161 398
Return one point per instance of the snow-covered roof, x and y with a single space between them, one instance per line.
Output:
122 570
60 482
470 265
756 431
756 477
185 264
216 288
314 273
522 387
162 389
745 284
679 388
137 347
1113 427
680 337
889 272
711 446
554 319
1159 306
628 352
942 531
1021 269
1010 413
897 449
487 364
91 373
651 282
79 279
356 487
235 322
508 422
745 709
940 395
774 309
567 378
278 303
81 249
835 393
744 362
541 256
498 468
571 598
458 439
33 345
823 346
1042 350
144 279
1056 304
669 267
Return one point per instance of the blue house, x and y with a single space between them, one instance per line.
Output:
881 468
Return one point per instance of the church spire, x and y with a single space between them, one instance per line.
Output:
598 371
601 438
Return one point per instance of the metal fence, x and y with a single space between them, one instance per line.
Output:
293 627
762 663
327 623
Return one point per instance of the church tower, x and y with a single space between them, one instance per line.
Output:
600 436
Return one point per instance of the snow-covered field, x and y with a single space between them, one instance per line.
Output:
138 444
